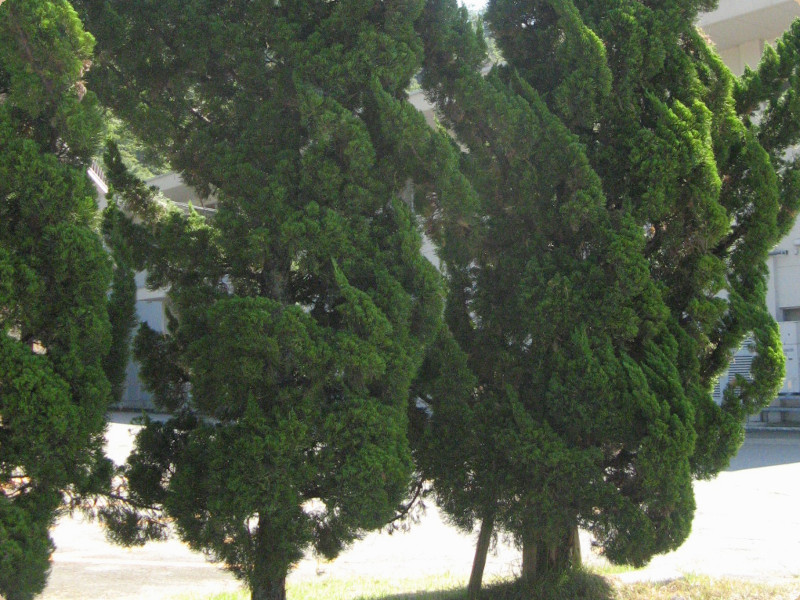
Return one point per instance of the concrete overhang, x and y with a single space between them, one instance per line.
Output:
736 22
172 186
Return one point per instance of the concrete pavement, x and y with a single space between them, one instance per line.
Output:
85 566
747 522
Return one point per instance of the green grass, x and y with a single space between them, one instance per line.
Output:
693 587
439 587
579 586
430 588
607 568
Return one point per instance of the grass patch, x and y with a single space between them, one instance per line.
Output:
581 585
608 568
576 585
429 588
693 587
438 587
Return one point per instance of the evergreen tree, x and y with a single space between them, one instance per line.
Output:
629 196
121 302
54 275
299 312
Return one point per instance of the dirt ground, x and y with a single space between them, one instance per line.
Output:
747 525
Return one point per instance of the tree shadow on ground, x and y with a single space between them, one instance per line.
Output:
578 585
767 449
422 595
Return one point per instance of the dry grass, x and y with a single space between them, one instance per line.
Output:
441 587
707 588
583 586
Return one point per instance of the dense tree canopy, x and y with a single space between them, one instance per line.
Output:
629 195
54 276
298 312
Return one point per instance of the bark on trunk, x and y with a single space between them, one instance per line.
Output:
268 579
530 556
269 590
577 559
540 559
482 549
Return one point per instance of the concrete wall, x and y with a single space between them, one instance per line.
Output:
740 28
783 298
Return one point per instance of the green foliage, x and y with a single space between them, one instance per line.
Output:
25 549
46 52
614 262
141 160
54 275
121 303
767 102
300 311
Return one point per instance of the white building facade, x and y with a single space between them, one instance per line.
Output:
740 29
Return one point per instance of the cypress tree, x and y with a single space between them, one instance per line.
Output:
300 310
54 275
630 188
121 303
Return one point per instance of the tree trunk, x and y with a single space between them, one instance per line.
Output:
274 589
577 559
267 580
482 549
540 559
530 555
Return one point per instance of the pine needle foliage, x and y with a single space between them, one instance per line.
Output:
121 302
300 311
630 188
54 276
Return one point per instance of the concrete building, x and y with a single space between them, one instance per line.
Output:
740 29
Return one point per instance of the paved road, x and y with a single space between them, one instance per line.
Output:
747 525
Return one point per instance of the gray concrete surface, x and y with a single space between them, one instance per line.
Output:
747 522
747 525
85 566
